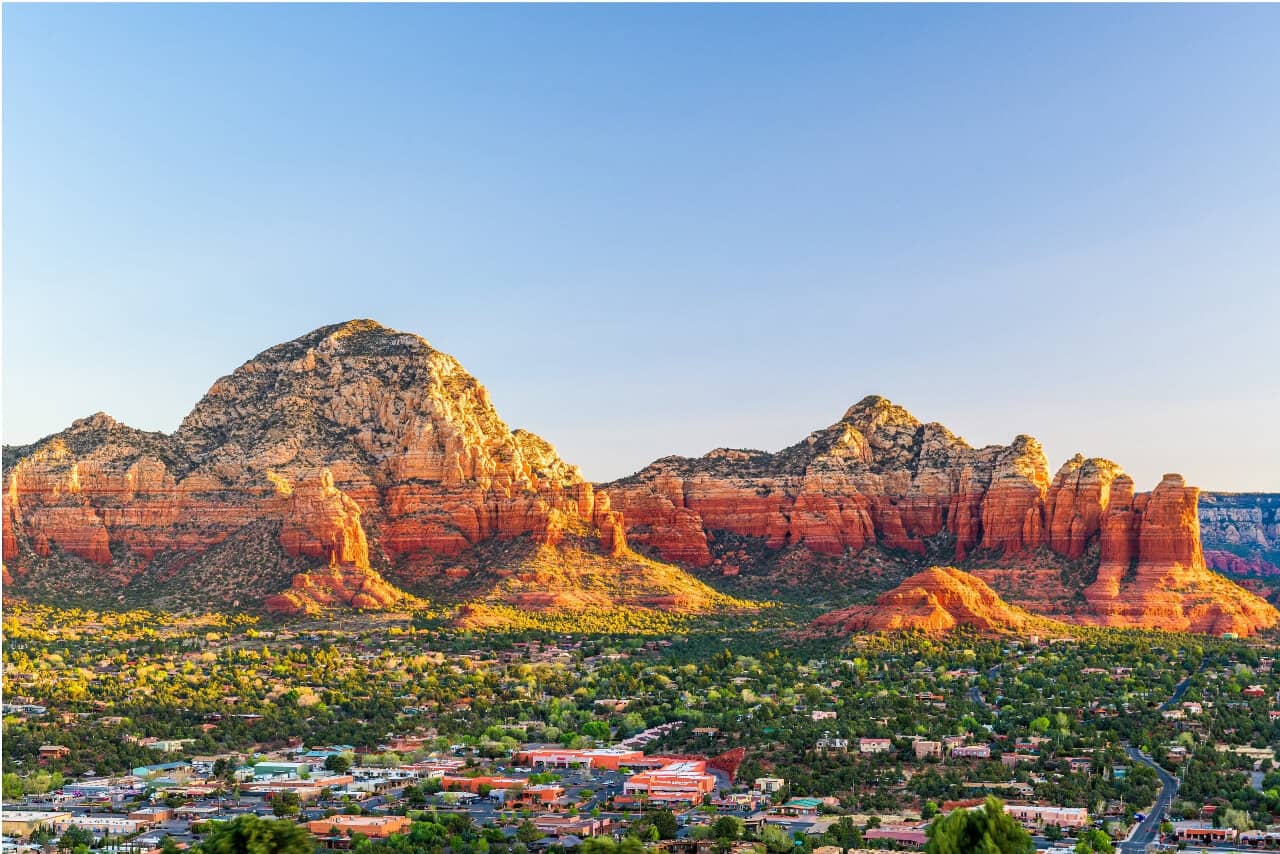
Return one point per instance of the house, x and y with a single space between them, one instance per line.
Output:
1079 764
908 837
875 745
822 715
827 744
1036 816
1013 760
971 751
769 785
924 749
801 806
53 751
1254 691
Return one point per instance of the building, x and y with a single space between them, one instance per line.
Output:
971 751
801 806
564 825
1032 815
924 749
682 781
372 826
22 822
822 715
277 770
1204 834
769 785
875 745
53 751
908 837
169 745
173 770
607 758
152 815
100 825
1013 760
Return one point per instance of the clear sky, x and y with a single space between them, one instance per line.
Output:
662 229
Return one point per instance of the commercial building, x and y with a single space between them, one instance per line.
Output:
23 822
372 826
607 758
100 825
683 781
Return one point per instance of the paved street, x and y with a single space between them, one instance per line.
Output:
1149 830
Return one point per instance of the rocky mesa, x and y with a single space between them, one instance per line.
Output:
880 483
374 463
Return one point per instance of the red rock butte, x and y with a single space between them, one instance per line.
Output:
879 479
358 466
939 599
365 451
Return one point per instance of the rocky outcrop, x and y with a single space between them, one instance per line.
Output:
876 477
379 458
1152 570
939 599
916 492
1233 564
1242 531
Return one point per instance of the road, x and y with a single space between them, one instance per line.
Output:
975 696
1180 690
1149 830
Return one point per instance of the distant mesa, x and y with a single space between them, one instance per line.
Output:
937 600
359 467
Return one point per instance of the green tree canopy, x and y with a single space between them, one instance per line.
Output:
248 834
1092 841
989 830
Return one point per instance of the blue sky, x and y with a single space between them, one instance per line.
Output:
662 229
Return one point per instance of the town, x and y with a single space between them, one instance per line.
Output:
139 731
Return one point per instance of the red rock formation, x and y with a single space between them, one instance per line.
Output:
1076 502
879 477
365 445
936 600
349 586
1234 564
1152 571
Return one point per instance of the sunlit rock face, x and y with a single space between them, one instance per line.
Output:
364 447
937 600
915 491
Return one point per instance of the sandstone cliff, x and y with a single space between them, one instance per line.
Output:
880 488
1242 531
375 459
939 599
